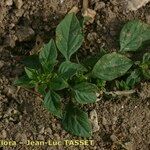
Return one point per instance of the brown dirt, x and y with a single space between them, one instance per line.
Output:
124 121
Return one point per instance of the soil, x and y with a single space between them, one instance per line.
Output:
124 122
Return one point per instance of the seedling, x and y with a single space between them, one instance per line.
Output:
48 76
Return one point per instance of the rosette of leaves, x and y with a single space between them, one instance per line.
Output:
133 79
52 78
46 76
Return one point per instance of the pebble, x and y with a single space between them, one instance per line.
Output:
129 146
104 121
1 63
9 2
3 134
10 40
92 36
11 91
42 130
24 138
40 137
114 138
24 33
99 6
48 130
94 120
18 3
134 5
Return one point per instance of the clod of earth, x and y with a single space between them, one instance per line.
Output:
18 3
136 4
24 33
94 120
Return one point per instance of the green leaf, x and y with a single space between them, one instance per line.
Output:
58 83
48 55
100 83
146 58
122 85
111 66
133 79
31 73
69 36
32 61
85 93
145 65
133 34
52 102
146 74
42 89
24 81
76 121
68 69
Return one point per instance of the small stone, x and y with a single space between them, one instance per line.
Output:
24 138
57 137
3 134
48 130
61 1
41 130
112 15
1 63
10 41
92 36
90 14
9 2
133 130
104 121
18 3
99 6
129 146
114 138
11 91
134 5
94 120
40 137
24 33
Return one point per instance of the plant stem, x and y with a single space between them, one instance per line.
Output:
121 93
85 5
33 92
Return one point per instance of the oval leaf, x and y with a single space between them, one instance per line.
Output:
32 61
133 34
24 81
67 69
76 121
146 58
52 102
48 55
58 83
111 66
31 73
69 36
85 93
42 89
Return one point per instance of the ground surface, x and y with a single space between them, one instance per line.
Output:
124 123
